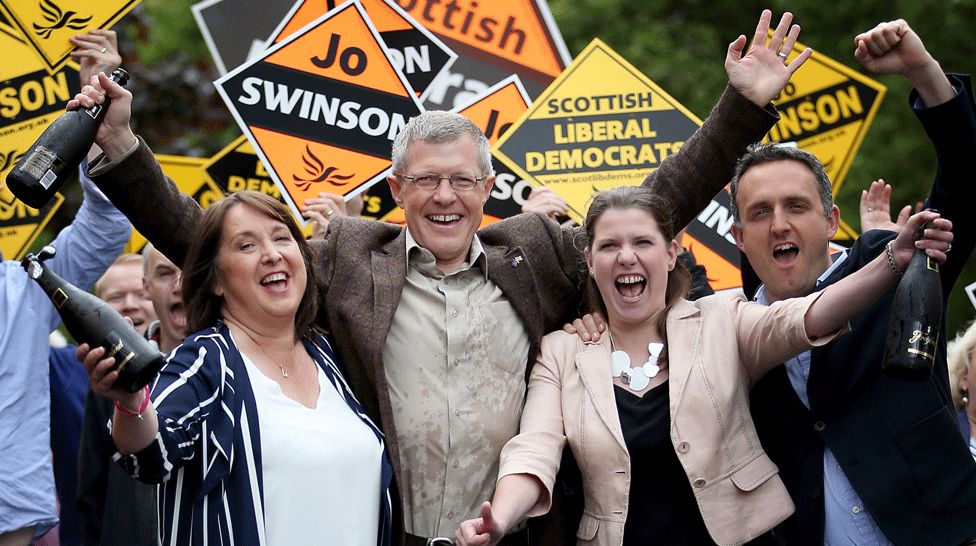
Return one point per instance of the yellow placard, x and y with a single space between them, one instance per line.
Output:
600 124
30 99
826 109
47 24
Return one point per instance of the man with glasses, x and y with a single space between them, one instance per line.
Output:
436 324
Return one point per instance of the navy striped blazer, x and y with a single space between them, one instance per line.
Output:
207 453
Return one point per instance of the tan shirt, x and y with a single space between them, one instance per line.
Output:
455 362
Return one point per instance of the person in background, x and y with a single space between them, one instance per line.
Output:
114 508
867 458
251 429
667 462
961 354
121 286
418 312
85 249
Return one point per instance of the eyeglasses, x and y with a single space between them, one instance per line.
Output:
458 182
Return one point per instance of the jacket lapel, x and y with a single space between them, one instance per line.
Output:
683 330
511 270
388 266
593 365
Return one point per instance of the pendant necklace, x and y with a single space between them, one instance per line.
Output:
284 373
636 378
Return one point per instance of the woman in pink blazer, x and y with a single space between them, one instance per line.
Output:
657 410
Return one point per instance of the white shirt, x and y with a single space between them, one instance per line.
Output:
321 467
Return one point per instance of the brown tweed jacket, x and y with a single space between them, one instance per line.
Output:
361 265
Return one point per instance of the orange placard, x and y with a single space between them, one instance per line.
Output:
515 30
414 50
322 107
494 111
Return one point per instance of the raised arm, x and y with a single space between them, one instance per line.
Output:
690 178
132 179
944 105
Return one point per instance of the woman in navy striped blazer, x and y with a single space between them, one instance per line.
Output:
250 429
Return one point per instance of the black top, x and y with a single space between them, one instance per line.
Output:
661 507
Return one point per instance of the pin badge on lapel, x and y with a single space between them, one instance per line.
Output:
516 261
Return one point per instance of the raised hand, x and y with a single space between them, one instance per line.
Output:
893 47
761 73
114 136
98 51
875 208
546 201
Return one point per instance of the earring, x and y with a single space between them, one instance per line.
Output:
965 397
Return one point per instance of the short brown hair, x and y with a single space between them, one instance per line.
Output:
201 270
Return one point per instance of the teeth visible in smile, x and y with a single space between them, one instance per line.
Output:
444 217
630 279
273 277
785 246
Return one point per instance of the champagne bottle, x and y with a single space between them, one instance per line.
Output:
55 155
92 321
916 317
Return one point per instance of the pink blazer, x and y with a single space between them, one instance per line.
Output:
718 347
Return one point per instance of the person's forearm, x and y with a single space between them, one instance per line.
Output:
847 298
932 84
132 433
515 495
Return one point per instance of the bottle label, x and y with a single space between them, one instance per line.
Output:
48 179
95 110
931 264
923 341
39 162
59 298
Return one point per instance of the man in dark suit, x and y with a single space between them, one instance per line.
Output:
437 324
868 459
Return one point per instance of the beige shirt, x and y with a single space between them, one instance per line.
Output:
455 362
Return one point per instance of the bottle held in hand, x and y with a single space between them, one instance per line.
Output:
92 321
55 155
916 317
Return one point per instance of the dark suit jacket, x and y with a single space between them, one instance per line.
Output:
361 265
897 441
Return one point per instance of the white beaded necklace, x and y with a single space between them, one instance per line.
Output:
636 378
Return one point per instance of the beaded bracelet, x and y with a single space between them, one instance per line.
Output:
129 413
891 260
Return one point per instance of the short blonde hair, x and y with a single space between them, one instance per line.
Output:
958 353
124 259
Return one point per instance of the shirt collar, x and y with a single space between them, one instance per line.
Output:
838 258
424 261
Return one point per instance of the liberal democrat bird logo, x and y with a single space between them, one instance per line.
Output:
318 172
58 19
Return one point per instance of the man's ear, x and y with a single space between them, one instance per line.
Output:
395 188
833 222
737 235
489 183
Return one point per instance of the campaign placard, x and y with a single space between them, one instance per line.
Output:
827 109
414 50
188 175
495 111
493 40
47 24
237 30
601 124
30 99
322 107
